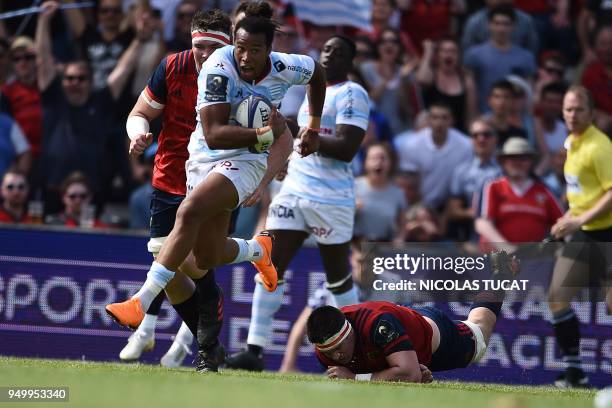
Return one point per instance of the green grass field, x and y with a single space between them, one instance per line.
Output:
124 385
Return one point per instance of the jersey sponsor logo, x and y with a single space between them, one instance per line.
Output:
282 212
321 232
300 70
350 101
216 88
226 165
220 65
573 185
279 66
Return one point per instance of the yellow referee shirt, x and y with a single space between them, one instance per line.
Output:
588 173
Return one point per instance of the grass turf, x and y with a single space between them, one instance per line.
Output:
134 385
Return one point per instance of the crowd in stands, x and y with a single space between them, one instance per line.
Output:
466 106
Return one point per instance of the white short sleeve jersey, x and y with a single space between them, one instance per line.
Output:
219 82
324 179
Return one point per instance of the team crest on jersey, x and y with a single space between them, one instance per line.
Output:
279 66
385 333
216 88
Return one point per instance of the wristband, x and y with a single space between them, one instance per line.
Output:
363 377
136 125
264 134
314 122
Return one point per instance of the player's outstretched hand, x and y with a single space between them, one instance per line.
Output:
48 9
426 375
277 122
341 373
140 144
309 141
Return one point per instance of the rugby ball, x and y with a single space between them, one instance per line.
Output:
253 112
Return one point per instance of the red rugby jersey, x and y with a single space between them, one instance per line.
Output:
519 218
23 104
174 86
384 328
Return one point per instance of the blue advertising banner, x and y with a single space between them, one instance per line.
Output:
54 286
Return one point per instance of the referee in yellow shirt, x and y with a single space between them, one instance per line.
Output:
588 173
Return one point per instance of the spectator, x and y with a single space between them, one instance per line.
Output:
554 179
469 178
76 197
4 60
390 83
379 203
594 15
498 57
551 69
422 224
140 199
550 129
21 98
104 43
364 51
14 147
434 153
14 193
442 78
425 20
516 207
410 183
181 40
521 108
597 78
478 30
78 133
382 16
500 103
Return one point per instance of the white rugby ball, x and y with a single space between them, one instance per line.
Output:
253 112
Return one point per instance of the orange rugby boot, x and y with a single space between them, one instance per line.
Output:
128 313
265 267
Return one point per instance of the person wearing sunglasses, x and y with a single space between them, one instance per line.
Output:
76 197
469 177
21 97
14 194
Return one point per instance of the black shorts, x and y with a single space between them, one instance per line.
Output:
163 213
457 342
595 249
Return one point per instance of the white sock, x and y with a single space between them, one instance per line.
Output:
147 326
157 279
248 250
184 335
347 298
265 305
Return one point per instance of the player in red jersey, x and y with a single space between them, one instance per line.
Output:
387 342
172 92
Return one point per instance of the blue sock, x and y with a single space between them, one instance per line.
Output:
265 305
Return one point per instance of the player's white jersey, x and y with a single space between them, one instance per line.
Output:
220 82
324 179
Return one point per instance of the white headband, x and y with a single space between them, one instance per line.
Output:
220 37
336 339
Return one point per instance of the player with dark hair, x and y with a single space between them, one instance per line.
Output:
171 93
227 163
316 197
587 259
382 341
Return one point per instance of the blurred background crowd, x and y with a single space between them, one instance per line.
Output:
462 92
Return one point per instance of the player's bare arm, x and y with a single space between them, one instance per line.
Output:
315 93
137 126
569 224
220 135
345 145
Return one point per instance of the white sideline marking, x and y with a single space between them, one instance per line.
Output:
75 330
73 262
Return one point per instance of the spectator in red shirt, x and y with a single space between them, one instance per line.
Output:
428 19
76 196
516 207
21 98
597 78
14 193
